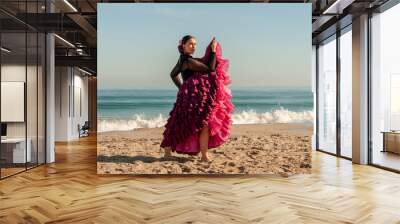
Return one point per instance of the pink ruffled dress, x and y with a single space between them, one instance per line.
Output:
203 99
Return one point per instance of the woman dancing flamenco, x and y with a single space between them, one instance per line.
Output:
201 116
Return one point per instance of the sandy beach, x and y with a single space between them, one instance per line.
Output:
283 149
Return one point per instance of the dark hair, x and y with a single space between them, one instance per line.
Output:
183 41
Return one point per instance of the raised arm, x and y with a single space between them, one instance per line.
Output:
199 66
175 74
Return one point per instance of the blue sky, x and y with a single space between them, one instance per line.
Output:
268 45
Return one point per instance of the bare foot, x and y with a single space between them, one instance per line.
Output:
205 158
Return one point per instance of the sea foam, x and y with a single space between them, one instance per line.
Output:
281 115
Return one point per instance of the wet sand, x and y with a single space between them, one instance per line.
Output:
283 149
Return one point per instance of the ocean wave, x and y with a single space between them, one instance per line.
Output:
276 116
281 115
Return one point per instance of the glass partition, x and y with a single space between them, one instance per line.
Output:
31 98
327 95
41 88
22 78
13 114
385 89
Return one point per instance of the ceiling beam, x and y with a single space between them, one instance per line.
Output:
82 61
86 27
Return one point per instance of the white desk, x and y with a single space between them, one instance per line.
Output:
18 148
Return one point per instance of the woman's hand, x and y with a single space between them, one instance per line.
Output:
213 45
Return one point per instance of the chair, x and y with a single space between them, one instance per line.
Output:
84 130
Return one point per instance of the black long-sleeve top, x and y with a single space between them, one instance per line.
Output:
187 65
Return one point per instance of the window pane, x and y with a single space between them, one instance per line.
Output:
327 96
386 89
346 93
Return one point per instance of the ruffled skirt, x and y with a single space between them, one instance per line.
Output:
201 100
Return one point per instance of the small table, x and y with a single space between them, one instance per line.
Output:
391 141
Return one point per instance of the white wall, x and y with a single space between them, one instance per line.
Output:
15 72
62 81
80 84
70 83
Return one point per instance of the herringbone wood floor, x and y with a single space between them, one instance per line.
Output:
70 191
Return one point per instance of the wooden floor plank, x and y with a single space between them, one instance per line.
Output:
70 191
